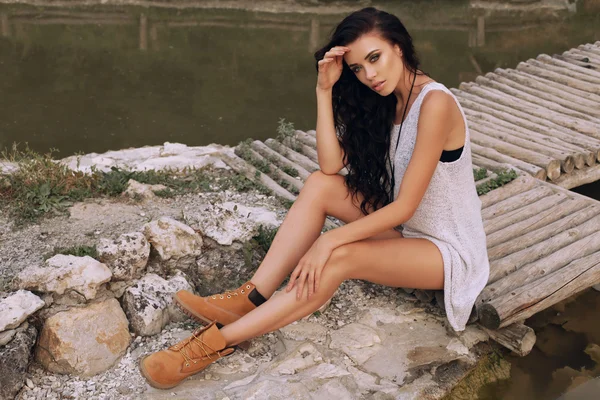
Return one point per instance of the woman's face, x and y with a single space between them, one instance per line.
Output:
376 63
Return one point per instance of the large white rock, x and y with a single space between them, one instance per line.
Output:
66 272
149 303
229 222
126 256
302 331
84 341
176 243
358 341
15 308
170 155
305 356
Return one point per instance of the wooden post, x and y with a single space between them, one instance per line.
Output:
480 31
517 337
313 36
143 32
4 25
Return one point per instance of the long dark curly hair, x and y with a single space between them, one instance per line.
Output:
363 117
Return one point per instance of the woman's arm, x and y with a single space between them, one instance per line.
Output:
329 151
433 131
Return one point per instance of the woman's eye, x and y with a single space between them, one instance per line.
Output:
355 70
375 58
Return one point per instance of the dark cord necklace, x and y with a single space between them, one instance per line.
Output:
392 166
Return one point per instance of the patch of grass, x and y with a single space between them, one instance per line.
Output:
287 203
265 237
79 251
42 186
291 171
479 173
503 178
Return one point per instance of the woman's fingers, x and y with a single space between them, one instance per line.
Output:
311 284
317 278
302 281
293 277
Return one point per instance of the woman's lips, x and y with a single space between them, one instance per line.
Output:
378 86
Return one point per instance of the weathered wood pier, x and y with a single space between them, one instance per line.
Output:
542 117
541 120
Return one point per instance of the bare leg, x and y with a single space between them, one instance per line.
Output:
400 262
321 195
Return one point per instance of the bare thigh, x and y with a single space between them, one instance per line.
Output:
399 262
339 203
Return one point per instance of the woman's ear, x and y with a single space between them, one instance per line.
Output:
398 50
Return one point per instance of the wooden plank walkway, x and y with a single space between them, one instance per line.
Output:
542 117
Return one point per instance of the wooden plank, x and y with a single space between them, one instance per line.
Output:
578 178
514 115
243 168
549 87
514 202
543 242
520 185
510 104
266 151
579 141
581 156
525 301
568 71
296 183
552 166
517 337
568 161
495 155
542 267
292 155
510 239
502 221
553 76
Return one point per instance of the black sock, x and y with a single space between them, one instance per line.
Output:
256 298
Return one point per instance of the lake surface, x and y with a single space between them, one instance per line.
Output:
92 79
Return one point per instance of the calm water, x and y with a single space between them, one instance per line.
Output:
101 78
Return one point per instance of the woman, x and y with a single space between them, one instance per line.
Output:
413 217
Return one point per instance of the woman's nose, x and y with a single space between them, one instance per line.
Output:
370 73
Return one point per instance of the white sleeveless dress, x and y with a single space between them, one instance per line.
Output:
449 216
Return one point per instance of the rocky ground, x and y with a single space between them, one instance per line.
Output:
371 342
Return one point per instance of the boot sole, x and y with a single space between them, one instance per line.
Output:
203 320
157 385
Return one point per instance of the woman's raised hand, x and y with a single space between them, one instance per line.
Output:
330 67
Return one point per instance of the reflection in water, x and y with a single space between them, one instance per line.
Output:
100 78
566 353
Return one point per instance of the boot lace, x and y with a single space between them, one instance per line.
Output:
186 349
229 294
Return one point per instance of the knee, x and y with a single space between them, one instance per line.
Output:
338 265
317 181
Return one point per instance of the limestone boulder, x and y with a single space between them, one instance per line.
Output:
136 189
63 273
228 222
15 309
14 360
177 244
301 331
149 303
126 256
84 341
358 341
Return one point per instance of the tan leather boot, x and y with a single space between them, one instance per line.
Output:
167 368
224 308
